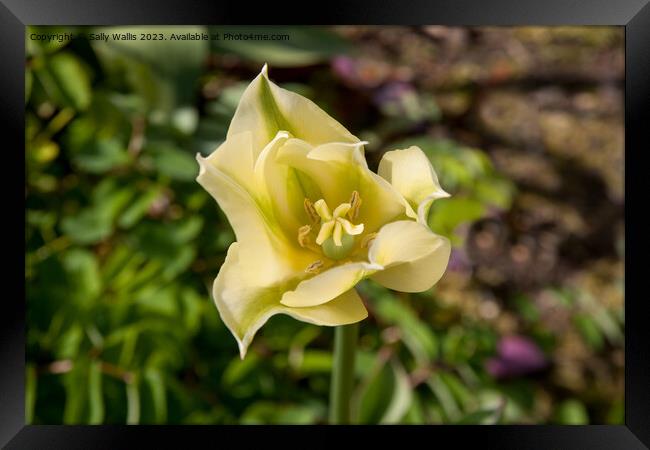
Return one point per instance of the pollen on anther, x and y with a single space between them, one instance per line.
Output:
355 204
311 211
303 235
314 267
367 240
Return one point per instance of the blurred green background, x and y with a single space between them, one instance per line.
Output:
524 127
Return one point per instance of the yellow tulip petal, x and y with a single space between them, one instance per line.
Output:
244 306
277 189
345 163
410 172
328 285
263 243
234 157
266 108
414 258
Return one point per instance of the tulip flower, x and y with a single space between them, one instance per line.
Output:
311 219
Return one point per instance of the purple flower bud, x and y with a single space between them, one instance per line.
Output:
516 355
344 67
458 261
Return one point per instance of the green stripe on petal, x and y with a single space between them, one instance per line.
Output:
264 244
266 108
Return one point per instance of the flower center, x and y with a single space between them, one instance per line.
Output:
336 232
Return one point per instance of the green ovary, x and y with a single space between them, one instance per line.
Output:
333 251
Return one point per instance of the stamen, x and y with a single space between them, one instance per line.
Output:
311 212
336 233
303 235
355 203
314 267
367 240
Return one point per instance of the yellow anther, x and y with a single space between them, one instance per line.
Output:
355 204
367 240
333 226
311 212
314 267
303 235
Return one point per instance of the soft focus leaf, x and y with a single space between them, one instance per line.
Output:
302 45
572 412
70 79
101 156
386 395
95 394
175 163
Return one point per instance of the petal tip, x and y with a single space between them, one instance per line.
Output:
242 349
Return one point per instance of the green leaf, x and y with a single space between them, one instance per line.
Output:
163 72
385 397
95 222
83 275
270 413
133 402
95 395
589 330
375 396
315 361
446 215
572 412
238 369
418 337
444 396
99 156
69 342
481 417
137 210
88 227
402 396
29 79
75 399
71 79
192 305
174 163
153 378
42 46
31 383
303 45
458 389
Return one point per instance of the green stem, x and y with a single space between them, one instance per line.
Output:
345 346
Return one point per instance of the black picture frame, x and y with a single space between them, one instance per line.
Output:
633 15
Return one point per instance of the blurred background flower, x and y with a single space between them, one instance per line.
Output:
516 356
524 126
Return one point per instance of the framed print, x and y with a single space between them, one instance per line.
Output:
370 218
